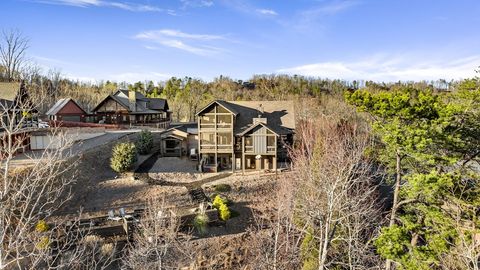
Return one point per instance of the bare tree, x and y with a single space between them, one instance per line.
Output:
30 194
13 47
156 242
335 195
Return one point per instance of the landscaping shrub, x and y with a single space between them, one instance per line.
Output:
218 201
124 155
222 188
200 223
224 212
43 243
221 205
41 226
145 142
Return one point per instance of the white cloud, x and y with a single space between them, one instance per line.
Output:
160 34
177 39
197 3
105 3
269 12
390 69
310 18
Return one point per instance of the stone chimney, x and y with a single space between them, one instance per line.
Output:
260 111
132 100
260 118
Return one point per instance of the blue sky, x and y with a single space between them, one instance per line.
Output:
128 40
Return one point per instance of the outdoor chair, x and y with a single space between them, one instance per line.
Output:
124 215
111 216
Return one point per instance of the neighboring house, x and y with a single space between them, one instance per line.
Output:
17 107
15 104
66 109
131 107
244 135
180 140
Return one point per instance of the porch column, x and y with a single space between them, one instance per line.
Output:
234 162
274 162
243 155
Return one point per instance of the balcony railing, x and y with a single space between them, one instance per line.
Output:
250 149
216 147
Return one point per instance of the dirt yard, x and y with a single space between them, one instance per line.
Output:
99 188
177 170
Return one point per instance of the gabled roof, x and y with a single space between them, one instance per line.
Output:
138 95
15 95
153 105
185 127
119 101
222 103
60 104
280 115
254 126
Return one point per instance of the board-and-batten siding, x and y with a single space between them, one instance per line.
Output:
260 140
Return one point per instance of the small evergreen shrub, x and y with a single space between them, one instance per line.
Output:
145 142
124 155
41 226
222 188
221 205
201 223
43 243
224 212
218 201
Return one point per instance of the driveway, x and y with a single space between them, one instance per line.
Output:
31 157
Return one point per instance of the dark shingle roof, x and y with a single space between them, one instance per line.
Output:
153 105
222 103
157 104
60 104
184 126
280 115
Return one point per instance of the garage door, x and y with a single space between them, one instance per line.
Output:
39 142
71 118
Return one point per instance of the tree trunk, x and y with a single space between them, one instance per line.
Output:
396 193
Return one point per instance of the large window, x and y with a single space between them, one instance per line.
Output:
207 121
271 143
207 138
248 144
224 138
224 121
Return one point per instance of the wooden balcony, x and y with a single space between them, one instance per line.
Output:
218 148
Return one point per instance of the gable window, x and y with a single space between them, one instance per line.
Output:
207 121
224 121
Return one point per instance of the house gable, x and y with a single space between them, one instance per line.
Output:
66 106
110 104
71 107
224 108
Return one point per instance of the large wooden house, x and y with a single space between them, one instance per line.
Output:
131 107
244 135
